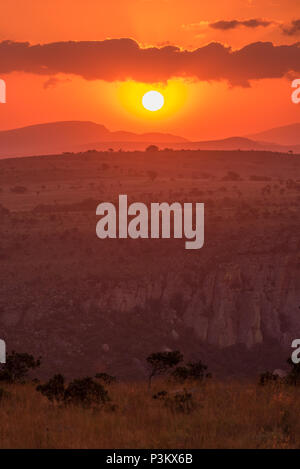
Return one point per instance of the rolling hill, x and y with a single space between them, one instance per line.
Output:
285 135
57 137
77 136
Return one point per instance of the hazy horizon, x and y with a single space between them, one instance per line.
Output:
211 70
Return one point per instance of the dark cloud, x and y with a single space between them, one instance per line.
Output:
292 29
233 24
121 59
53 81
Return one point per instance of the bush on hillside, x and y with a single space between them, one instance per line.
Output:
162 362
17 367
83 392
191 371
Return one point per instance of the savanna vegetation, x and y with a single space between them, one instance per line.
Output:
187 409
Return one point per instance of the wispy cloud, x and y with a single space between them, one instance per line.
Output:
233 24
291 29
226 25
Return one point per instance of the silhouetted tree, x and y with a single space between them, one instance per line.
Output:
294 375
152 175
54 389
192 371
84 392
267 378
161 362
17 367
106 378
152 148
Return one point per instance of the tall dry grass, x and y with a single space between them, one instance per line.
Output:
227 415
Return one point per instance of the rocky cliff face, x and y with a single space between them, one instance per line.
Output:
113 325
241 302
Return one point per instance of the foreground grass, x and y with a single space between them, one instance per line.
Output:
227 415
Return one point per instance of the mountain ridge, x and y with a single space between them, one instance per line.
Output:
283 135
57 137
75 136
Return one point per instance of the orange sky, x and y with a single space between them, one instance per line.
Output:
200 109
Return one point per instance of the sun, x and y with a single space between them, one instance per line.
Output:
153 100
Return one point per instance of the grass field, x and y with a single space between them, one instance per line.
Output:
226 415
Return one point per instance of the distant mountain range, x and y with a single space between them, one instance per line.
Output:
286 135
238 143
57 137
75 136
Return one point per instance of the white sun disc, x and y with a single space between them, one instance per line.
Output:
153 100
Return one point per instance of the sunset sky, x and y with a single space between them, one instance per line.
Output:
220 64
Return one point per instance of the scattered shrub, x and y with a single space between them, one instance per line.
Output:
268 378
17 367
152 148
192 371
54 389
162 362
106 378
179 401
83 392
160 395
18 189
152 175
4 211
292 378
4 395
260 178
232 176
294 375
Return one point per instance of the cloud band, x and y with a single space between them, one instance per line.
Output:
122 59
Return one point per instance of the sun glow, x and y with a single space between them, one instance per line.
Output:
165 100
153 100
